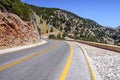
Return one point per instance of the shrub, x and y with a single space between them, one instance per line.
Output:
17 7
51 36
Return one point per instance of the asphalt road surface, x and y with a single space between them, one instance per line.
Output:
50 61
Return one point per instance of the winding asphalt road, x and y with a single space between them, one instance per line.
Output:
51 61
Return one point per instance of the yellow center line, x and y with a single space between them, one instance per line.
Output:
2 68
67 66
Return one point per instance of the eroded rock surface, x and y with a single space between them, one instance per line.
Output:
14 31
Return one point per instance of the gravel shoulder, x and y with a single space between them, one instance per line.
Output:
106 63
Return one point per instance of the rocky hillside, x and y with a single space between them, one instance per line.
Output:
15 31
117 36
77 27
19 23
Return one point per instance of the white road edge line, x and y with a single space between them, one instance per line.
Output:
3 51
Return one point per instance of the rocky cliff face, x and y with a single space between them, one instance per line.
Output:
14 31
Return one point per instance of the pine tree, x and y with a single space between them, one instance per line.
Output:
51 29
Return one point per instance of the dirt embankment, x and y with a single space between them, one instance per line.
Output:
14 31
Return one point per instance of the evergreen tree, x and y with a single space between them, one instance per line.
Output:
17 7
51 29
46 31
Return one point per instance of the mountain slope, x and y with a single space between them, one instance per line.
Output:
77 27
56 21
15 31
17 7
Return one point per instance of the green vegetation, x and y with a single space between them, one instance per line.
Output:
66 22
59 36
46 31
39 30
51 29
51 36
17 7
92 38
50 15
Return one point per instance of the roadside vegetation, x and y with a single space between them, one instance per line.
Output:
17 7
67 23
58 36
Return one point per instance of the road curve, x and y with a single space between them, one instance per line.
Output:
45 62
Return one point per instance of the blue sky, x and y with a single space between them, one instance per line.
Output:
105 12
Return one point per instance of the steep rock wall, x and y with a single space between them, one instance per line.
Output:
14 31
